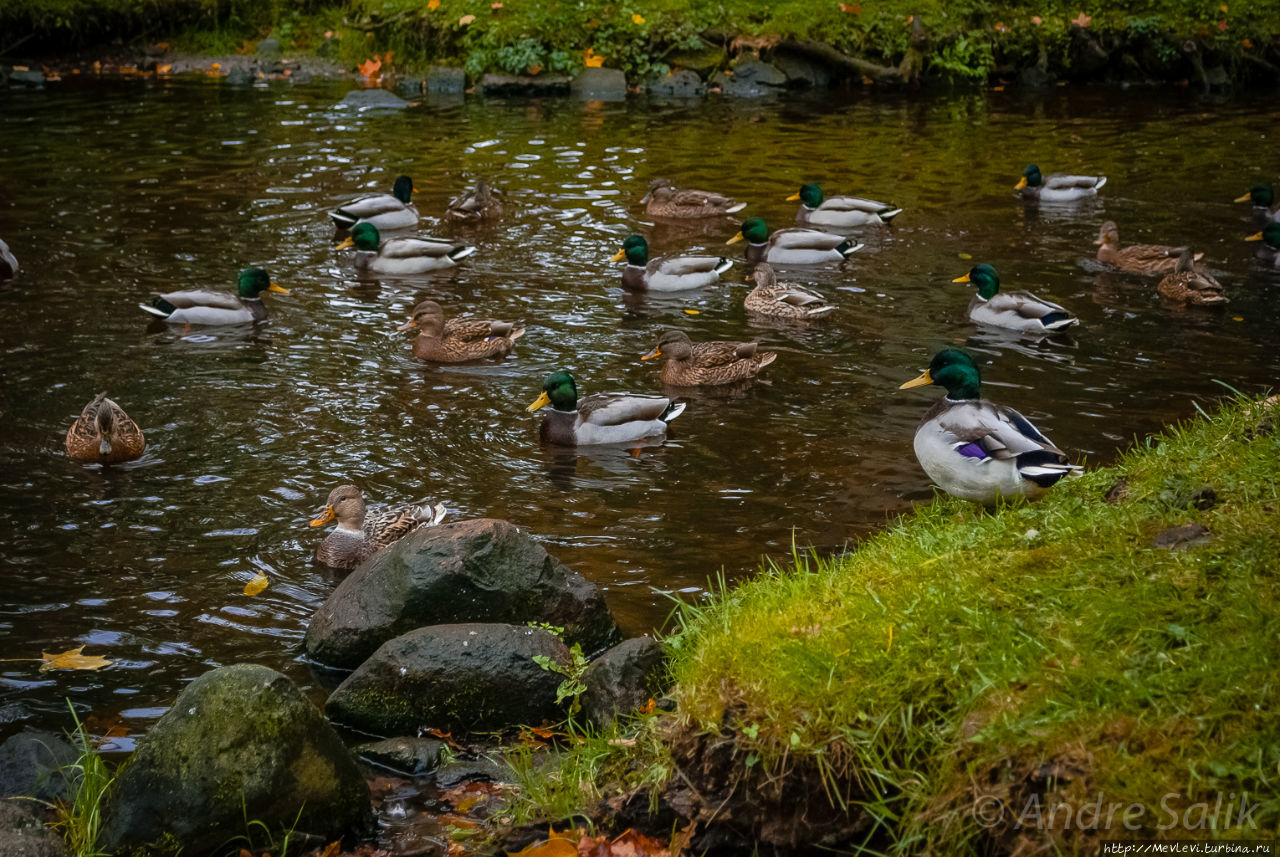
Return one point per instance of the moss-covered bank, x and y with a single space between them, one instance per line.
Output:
1100 664
888 40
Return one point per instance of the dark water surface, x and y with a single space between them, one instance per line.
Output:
111 191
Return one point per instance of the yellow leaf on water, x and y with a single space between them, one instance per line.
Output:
259 583
693 312
1236 318
965 256
71 659
637 18
466 19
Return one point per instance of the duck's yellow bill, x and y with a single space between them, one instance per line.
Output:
1257 236
963 279
1022 182
280 290
619 256
793 197
735 239
325 518
656 352
346 242
922 381
540 402
1244 198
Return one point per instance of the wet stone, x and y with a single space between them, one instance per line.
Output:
600 84
373 99
680 83
410 756
446 80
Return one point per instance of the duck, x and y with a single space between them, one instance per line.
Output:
1265 206
359 535
1150 259
385 211
458 339
707 364
104 434
1020 310
479 203
401 256
975 449
8 262
841 212
666 273
1186 285
1269 252
783 300
793 246
666 200
1057 187
601 417
204 306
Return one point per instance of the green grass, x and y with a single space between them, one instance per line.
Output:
79 817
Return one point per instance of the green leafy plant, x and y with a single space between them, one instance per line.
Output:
79 816
572 687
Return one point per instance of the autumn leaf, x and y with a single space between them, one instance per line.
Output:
855 9
333 849
637 18
557 846
533 69
369 68
1222 26
466 19
495 5
591 59
694 311
1245 43
1082 20
71 659
163 69
630 843
1000 27
1037 20
1223 7
259 583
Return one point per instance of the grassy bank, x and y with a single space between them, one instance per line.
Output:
975 682
888 39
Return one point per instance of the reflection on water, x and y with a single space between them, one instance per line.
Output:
112 191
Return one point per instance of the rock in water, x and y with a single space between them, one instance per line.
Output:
460 678
622 680
35 764
240 742
483 570
373 99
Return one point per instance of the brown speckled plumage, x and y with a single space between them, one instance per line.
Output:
459 339
104 434
358 535
1188 286
697 364
1151 259
665 200
479 203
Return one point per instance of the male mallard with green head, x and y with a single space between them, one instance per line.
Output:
601 417
479 203
841 212
792 246
783 300
1020 310
1269 252
666 200
385 211
401 256
104 434
705 364
360 535
666 273
1188 286
1265 206
1057 187
458 339
975 449
203 306
1151 259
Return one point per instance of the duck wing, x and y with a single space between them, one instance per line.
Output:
1027 305
385 526
715 354
415 248
796 296
611 409
202 298
805 239
853 203
1062 181
691 198
981 429
477 329
678 266
366 207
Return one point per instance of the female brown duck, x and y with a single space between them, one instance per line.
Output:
705 364
359 536
104 434
458 339
1150 259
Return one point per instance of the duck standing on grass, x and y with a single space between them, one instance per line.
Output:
975 449
706 364
458 339
840 212
666 200
601 417
792 246
1057 187
202 306
1021 310
783 300
385 211
1188 286
1269 252
666 273
1151 259
401 256
359 535
104 434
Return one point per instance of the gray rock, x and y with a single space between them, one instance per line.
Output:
269 48
600 84
463 678
698 59
301 75
622 680
750 80
239 742
801 71
411 87
24 834
240 76
483 570
506 84
26 77
446 80
470 770
33 764
373 99
758 72
411 756
680 83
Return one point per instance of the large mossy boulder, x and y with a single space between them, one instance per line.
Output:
461 678
241 743
483 570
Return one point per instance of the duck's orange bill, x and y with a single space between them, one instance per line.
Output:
963 279
1244 198
1022 182
540 402
408 324
619 256
346 242
654 353
735 239
1257 236
793 198
277 289
324 518
923 380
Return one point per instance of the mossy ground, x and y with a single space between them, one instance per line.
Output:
961 674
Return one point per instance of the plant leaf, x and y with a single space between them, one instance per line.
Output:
259 583
71 659
466 19
551 848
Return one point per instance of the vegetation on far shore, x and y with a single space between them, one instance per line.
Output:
957 676
886 39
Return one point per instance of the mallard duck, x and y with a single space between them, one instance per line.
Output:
358 535
458 339
385 211
1151 259
666 273
975 449
8 262
706 364
401 256
793 246
1057 187
666 200
783 300
1019 310
202 306
1186 285
841 212
479 203
104 434
1269 252
601 417
1265 206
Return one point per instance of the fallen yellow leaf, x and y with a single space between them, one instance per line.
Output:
466 19
259 583
637 18
591 59
71 659
332 849
551 848
692 312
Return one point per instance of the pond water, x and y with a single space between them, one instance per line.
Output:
112 190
